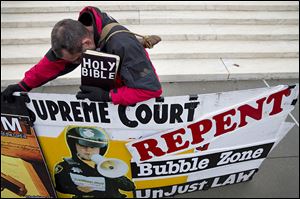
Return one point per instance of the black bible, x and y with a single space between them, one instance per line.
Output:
99 69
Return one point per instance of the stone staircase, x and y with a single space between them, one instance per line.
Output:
202 40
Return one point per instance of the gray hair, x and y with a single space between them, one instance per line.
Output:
67 34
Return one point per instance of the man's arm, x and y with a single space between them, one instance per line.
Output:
47 69
137 72
128 96
63 181
124 183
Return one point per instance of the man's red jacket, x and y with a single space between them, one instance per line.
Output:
136 79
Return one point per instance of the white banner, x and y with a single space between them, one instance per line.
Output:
170 145
270 107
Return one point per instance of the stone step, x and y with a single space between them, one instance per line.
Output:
160 17
14 36
190 70
226 69
226 49
67 6
21 54
167 70
255 69
220 17
50 19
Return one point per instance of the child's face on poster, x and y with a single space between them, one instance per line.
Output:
85 152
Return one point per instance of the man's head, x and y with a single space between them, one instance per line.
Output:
69 39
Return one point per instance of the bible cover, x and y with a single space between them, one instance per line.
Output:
99 69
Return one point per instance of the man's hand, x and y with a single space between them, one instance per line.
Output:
8 92
84 189
93 94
